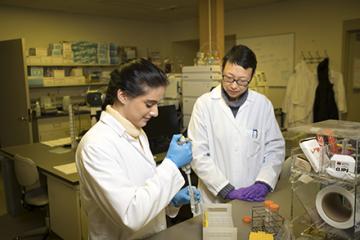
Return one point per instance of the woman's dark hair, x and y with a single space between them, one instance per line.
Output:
240 55
133 77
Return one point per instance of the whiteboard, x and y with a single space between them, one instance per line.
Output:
275 56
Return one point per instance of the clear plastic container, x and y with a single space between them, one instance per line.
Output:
326 199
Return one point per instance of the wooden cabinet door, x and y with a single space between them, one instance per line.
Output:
15 125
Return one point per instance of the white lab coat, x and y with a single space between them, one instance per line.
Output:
122 190
238 150
299 97
300 92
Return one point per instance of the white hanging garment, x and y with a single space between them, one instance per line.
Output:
300 96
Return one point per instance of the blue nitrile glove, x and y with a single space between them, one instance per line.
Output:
179 154
254 193
182 197
197 194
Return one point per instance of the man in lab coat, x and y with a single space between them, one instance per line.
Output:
238 148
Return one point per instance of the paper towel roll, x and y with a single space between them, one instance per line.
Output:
335 205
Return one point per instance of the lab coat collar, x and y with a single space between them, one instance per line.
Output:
110 121
216 92
129 127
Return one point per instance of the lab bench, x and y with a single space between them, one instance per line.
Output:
192 228
68 219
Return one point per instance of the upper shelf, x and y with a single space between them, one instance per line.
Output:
72 85
71 65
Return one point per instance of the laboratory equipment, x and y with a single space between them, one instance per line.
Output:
267 218
218 223
72 129
37 109
160 130
197 80
66 101
194 205
260 236
47 105
94 100
325 200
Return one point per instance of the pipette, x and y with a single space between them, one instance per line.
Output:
187 169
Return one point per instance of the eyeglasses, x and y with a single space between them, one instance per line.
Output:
239 82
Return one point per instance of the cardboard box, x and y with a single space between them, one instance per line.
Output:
38 51
76 72
33 60
58 73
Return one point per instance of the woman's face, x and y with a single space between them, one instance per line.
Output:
141 109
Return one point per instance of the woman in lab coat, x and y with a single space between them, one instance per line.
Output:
238 148
123 192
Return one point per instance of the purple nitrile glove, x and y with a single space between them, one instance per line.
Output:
254 193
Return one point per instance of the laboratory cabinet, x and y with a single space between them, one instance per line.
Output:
24 82
68 219
325 181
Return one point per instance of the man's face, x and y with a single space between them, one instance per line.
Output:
236 79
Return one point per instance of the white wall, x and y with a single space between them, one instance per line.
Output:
42 27
317 25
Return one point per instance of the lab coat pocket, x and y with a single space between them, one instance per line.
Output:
254 158
253 146
252 154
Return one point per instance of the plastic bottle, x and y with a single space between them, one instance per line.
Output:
66 101
267 204
267 217
37 109
274 210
